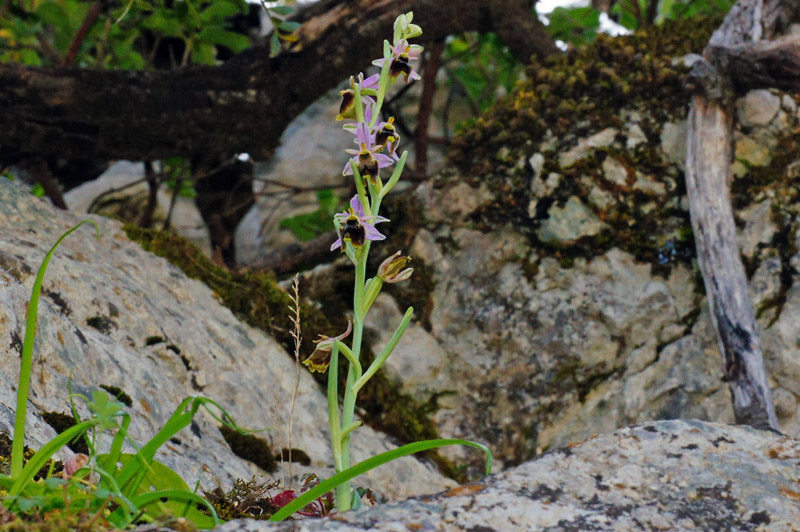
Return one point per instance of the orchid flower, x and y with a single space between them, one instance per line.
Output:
368 160
402 55
368 87
355 226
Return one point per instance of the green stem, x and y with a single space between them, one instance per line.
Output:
333 407
384 82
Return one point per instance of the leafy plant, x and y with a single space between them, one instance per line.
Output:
128 34
124 487
377 142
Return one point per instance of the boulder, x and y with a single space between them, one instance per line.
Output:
115 315
664 475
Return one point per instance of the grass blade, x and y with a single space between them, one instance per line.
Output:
17 446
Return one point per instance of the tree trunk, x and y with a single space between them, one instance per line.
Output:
241 106
708 174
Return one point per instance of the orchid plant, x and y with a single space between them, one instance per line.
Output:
376 152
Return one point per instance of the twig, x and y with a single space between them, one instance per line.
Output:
297 256
41 173
146 219
294 188
432 64
110 191
86 25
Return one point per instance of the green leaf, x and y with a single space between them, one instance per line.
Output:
164 23
289 26
219 36
52 14
281 11
307 226
26 363
274 44
220 10
162 479
204 54
576 25
371 463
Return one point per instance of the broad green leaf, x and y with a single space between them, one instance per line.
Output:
220 10
161 478
163 22
229 39
204 54
575 25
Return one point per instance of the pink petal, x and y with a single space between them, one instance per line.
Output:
371 233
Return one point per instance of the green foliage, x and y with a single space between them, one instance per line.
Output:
483 65
39 33
307 226
38 190
575 25
674 9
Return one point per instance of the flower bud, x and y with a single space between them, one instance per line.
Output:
74 463
391 270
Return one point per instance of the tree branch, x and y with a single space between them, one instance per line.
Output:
86 25
764 64
241 106
708 173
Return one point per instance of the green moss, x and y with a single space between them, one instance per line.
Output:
297 456
250 448
575 95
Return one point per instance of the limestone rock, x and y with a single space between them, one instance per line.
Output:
673 142
681 476
598 140
569 223
113 314
757 108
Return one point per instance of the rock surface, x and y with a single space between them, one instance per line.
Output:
665 475
113 314
564 298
